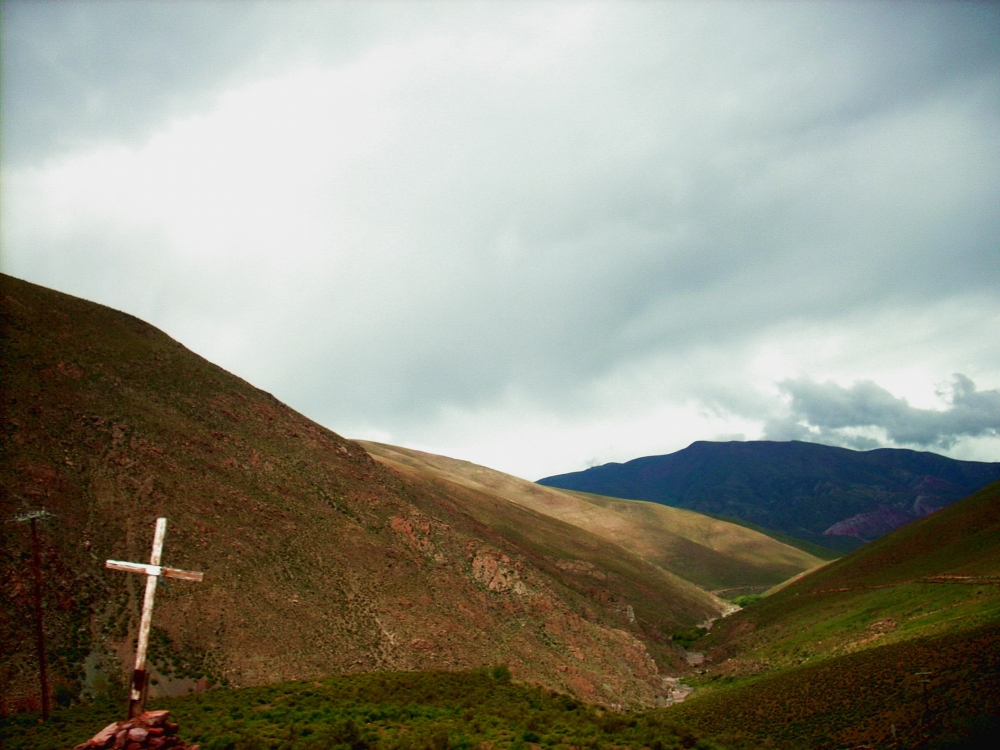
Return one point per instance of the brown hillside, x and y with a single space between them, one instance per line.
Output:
317 559
713 554
594 567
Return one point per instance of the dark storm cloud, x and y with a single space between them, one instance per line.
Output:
831 408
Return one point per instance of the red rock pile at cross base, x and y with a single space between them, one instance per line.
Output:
150 731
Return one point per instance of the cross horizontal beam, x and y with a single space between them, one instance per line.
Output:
154 570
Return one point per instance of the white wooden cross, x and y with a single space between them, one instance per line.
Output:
153 571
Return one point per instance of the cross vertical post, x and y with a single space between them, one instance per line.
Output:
153 571
140 679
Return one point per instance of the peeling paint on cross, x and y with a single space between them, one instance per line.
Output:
152 571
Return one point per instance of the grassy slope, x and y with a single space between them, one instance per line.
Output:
318 560
711 553
823 553
896 588
714 552
842 643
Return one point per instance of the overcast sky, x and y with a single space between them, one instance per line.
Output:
534 236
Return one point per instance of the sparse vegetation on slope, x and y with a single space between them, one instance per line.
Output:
715 553
823 553
612 585
317 559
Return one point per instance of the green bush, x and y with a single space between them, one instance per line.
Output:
501 673
684 638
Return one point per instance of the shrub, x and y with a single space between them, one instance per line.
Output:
501 673
684 638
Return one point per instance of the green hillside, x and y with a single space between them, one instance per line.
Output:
870 698
935 575
834 654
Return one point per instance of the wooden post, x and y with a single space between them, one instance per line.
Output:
153 571
32 517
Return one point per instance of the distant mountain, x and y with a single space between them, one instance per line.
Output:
317 559
835 658
834 497
714 554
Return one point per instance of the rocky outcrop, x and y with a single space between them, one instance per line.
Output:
495 570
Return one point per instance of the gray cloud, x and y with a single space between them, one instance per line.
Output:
825 410
79 74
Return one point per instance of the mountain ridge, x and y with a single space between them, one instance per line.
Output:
826 495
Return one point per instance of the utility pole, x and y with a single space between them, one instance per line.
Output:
33 517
